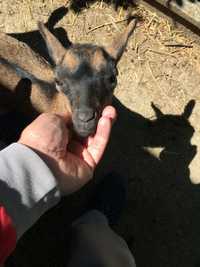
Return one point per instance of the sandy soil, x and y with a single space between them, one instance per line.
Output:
157 151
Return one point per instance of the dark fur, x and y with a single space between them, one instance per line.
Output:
87 89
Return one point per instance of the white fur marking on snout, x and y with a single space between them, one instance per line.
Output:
58 88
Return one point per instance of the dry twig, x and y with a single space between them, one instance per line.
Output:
160 53
179 45
106 24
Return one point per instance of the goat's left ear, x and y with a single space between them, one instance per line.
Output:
188 109
116 49
55 48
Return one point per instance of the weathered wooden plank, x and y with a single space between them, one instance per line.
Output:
188 10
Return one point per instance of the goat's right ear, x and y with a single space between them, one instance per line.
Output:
24 61
24 74
116 49
55 48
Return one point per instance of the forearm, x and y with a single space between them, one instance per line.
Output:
27 186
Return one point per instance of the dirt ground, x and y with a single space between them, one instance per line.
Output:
156 148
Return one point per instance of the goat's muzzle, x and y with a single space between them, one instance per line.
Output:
85 121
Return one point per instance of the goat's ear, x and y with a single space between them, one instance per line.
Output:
25 74
24 61
157 111
55 48
116 49
188 109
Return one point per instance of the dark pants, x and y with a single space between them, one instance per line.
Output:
95 244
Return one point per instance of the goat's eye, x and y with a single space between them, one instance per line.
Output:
58 82
112 79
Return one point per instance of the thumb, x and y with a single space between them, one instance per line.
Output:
66 117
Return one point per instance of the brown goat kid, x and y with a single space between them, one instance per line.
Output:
81 81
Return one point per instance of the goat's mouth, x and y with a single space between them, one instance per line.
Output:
85 129
85 125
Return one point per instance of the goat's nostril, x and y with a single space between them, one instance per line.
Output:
87 115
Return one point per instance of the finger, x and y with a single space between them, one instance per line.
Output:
100 140
81 152
87 157
109 112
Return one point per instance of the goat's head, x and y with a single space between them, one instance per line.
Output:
85 74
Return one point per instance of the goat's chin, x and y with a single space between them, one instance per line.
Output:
84 132
84 135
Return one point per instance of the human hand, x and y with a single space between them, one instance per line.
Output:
71 162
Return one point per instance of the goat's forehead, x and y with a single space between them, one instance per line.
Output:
78 55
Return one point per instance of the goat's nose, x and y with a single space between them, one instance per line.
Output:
86 115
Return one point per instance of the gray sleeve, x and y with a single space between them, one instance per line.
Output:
27 186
